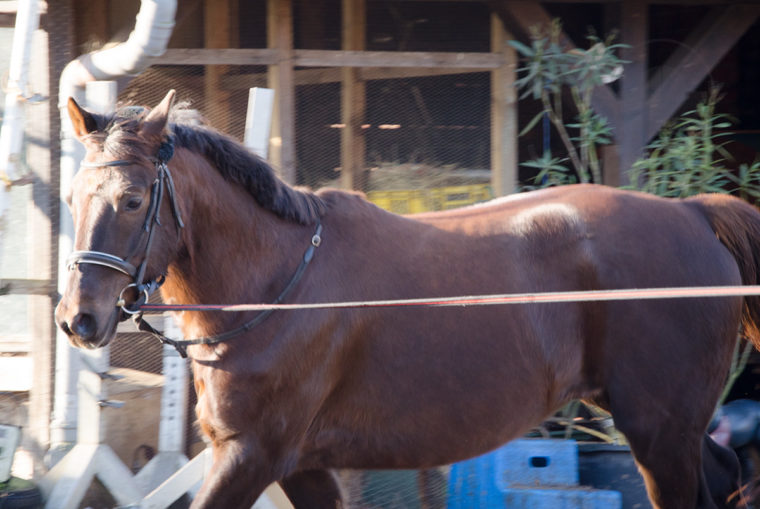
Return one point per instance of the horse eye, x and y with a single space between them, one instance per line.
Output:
133 203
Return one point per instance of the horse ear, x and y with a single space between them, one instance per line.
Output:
83 122
155 123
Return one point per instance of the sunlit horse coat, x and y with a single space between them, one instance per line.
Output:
308 391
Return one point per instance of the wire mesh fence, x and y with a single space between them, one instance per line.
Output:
420 133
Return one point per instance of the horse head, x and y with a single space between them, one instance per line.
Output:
122 202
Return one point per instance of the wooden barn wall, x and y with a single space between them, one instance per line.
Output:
434 26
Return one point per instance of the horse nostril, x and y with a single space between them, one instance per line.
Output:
83 325
65 328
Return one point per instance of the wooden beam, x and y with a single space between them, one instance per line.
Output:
209 56
313 58
220 31
353 101
706 45
7 20
333 75
504 129
331 58
11 286
43 127
282 149
91 23
631 130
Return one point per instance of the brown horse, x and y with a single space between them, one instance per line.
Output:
302 392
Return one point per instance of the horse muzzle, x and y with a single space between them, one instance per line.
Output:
86 328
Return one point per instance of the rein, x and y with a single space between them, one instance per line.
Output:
622 294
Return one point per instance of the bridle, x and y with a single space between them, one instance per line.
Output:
164 185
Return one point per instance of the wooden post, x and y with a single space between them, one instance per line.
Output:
171 429
41 263
633 87
258 120
90 23
353 98
220 31
280 78
503 113
610 165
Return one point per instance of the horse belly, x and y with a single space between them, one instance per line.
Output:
420 400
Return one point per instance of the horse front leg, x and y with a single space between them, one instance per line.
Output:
313 489
240 472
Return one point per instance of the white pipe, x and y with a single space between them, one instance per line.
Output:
153 28
12 131
150 37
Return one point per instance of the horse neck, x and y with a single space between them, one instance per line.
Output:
232 250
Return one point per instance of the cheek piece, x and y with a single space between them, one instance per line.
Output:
163 185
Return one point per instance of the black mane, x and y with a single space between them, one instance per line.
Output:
232 159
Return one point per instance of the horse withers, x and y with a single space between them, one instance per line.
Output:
289 395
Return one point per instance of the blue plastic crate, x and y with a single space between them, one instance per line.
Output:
537 463
471 484
560 498
525 474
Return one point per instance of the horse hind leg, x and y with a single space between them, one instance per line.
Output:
682 467
722 472
313 489
671 473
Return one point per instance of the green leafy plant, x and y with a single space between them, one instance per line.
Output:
551 67
688 157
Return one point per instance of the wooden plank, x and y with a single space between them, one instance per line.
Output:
282 149
384 73
91 23
41 127
610 165
330 58
353 102
7 20
631 131
696 57
314 58
211 56
11 286
504 129
180 482
333 75
64 486
220 31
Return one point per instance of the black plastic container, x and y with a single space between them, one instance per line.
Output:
611 467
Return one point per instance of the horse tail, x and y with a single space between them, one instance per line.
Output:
737 226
